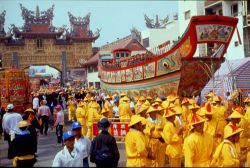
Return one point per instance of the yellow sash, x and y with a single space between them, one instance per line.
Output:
25 157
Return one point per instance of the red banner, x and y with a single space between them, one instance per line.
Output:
117 129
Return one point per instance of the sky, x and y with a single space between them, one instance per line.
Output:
114 18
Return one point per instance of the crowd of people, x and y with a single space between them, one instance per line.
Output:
172 129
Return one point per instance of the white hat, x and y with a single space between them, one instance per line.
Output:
10 107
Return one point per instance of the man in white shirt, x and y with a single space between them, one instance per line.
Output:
69 156
35 102
10 121
82 143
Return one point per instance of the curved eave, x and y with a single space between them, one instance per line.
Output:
84 39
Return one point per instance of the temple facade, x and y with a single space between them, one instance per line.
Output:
38 42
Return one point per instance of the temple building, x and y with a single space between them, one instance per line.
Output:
38 42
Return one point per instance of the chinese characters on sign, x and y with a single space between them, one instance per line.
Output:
117 129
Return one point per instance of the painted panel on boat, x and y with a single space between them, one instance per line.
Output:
149 70
113 74
123 78
138 73
108 77
118 77
129 75
212 32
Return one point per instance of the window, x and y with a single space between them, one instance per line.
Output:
39 43
91 84
145 42
90 69
127 54
236 43
97 85
220 12
234 10
187 15
117 55
95 69
122 55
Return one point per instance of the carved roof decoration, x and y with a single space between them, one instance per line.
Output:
156 25
79 28
2 21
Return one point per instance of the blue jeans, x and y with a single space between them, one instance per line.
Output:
85 162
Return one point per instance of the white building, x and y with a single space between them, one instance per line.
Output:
152 37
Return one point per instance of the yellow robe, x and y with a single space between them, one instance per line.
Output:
174 144
81 117
108 105
225 155
156 146
198 150
93 116
135 145
220 115
124 112
245 134
71 110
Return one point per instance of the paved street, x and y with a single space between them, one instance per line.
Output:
47 150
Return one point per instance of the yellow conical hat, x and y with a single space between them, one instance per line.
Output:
158 100
142 98
134 120
152 109
235 114
231 130
196 119
104 110
142 108
169 112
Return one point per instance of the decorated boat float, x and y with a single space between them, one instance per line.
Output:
173 70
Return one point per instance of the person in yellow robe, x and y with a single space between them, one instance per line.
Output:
157 100
149 99
122 95
108 106
81 116
194 109
156 142
198 146
93 116
226 154
85 104
136 144
124 110
220 114
173 138
141 101
170 99
247 109
185 109
71 108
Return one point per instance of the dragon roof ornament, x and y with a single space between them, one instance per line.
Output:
37 17
79 21
150 22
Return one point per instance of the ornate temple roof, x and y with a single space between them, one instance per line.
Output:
39 24
79 28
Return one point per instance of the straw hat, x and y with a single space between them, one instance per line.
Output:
158 100
231 130
125 98
208 109
191 101
104 110
147 103
171 105
239 109
80 104
123 94
70 97
134 120
137 98
149 98
196 119
217 99
85 99
23 123
235 114
169 112
142 108
160 108
92 99
193 106
142 98
210 94
29 110
152 109
172 97
184 100
95 105
247 100
177 109
155 104
108 97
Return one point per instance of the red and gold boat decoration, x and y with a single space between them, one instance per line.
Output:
175 70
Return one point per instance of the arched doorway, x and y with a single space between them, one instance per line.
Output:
43 75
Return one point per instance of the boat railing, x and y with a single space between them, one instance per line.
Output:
130 61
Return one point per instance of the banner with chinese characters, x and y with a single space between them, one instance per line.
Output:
117 129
